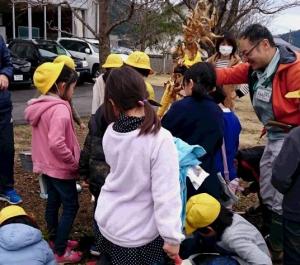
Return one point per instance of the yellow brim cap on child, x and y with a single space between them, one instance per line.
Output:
201 211
46 75
139 60
67 60
11 211
113 61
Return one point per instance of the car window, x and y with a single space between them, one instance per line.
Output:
46 53
51 49
95 47
73 45
66 43
24 50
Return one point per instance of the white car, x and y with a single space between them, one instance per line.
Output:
122 51
84 50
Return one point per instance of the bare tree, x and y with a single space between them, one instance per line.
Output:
232 15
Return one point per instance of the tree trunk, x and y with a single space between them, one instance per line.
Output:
104 42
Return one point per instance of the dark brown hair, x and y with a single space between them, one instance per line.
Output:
126 87
203 75
68 76
229 38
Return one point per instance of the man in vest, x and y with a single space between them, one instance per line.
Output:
273 74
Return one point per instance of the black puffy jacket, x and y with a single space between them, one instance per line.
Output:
92 165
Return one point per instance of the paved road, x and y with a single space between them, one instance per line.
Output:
82 100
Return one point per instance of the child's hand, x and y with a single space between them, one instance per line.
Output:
171 250
82 126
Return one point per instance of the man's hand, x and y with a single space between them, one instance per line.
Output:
3 82
171 250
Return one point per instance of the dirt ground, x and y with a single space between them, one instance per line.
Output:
27 183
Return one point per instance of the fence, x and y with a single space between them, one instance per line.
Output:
162 64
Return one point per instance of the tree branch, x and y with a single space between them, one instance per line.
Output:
121 21
175 11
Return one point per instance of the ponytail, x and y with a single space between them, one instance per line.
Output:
151 122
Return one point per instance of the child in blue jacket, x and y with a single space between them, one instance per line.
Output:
21 242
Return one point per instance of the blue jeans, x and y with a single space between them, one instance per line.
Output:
7 153
60 192
291 242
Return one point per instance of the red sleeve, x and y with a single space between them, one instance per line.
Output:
237 74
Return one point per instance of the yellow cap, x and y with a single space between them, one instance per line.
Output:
67 60
113 61
201 211
294 94
45 76
11 211
139 60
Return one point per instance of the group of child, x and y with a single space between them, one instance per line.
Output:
131 163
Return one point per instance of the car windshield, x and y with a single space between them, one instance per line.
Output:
51 49
95 47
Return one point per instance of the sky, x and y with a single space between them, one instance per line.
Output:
286 21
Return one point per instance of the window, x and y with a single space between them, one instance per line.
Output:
73 45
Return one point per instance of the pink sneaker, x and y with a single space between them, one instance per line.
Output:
70 245
69 256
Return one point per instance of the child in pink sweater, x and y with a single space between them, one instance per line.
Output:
55 152
139 207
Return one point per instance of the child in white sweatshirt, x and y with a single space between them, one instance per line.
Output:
139 207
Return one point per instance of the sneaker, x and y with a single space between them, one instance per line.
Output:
70 245
69 256
11 196
94 251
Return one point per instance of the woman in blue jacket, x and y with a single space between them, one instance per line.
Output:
197 119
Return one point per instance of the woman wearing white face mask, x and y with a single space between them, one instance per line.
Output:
226 56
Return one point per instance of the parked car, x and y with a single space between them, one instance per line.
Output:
40 51
22 74
123 51
84 50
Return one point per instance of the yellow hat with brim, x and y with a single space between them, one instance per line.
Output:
67 60
201 211
11 211
139 60
46 75
113 61
294 94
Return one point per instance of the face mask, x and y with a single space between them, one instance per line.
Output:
225 50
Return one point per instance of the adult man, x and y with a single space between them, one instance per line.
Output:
7 192
271 72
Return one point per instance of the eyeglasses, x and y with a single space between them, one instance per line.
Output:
245 54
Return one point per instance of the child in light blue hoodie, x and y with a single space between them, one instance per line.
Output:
21 242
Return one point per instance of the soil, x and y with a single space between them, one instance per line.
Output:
27 185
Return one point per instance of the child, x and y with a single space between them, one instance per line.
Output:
224 232
173 90
286 179
112 61
139 207
225 157
68 61
55 152
140 61
198 120
21 241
